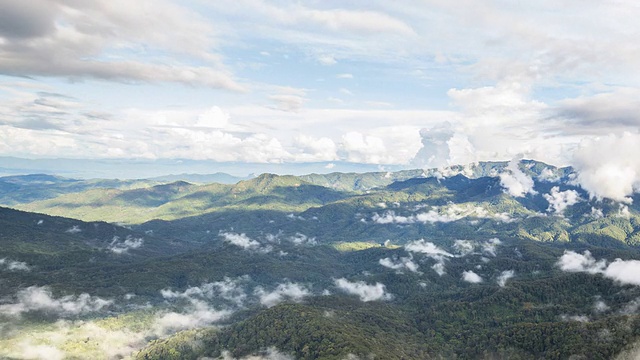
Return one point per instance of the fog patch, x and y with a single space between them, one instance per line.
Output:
270 354
283 292
74 229
198 314
504 277
302 239
431 250
442 214
121 247
399 264
13 265
36 298
576 318
491 246
230 291
245 242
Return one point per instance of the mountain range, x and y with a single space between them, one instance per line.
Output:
496 260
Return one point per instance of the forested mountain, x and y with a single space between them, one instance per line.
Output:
459 263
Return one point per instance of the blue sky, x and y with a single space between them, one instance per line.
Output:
378 84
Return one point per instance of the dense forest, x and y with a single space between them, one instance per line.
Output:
409 265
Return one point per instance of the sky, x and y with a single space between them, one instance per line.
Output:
321 84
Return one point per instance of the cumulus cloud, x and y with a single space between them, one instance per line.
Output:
515 182
13 265
312 149
504 277
622 271
560 200
471 277
607 168
387 145
363 290
572 261
36 298
287 291
399 263
121 247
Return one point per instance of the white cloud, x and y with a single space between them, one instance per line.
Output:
232 291
287 291
312 149
560 200
270 354
515 182
471 277
490 246
386 145
607 168
240 240
302 239
344 76
121 247
197 314
399 264
439 268
432 251
548 175
40 352
327 60
444 214
390 217
622 271
504 277
424 247
365 291
600 306
74 229
572 261
464 247
13 265
36 298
